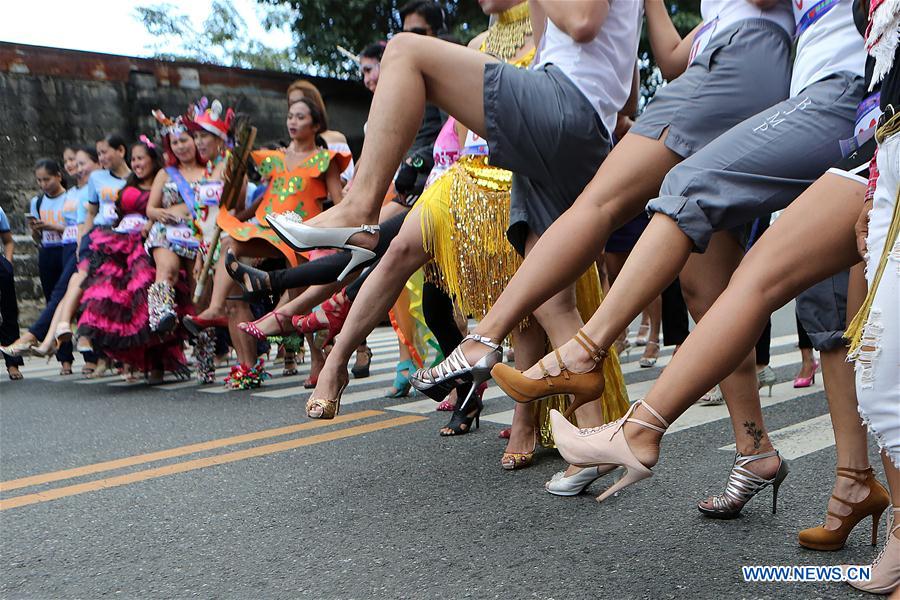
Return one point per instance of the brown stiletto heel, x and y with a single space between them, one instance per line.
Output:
584 387
875 503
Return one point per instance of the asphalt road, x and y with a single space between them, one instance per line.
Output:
375 504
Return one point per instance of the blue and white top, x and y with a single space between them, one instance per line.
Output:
103 190
4 222
50 212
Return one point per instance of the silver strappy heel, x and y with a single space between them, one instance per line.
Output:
743 485
438 381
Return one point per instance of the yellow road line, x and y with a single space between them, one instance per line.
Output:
130 461
200 463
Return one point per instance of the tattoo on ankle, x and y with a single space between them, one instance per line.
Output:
754 432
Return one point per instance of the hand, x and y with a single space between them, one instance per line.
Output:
862 228
145 230
38 225
168 216
623 124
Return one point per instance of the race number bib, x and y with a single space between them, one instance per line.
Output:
108 212
131 222
209 193
70 235
182 236
51 238
475 145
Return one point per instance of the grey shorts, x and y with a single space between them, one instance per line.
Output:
761 165
743 70
543 129
822 311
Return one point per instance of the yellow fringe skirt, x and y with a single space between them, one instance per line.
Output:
464 218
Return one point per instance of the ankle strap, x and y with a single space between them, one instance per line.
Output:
741 459
590 346
483 340
652 411
858 475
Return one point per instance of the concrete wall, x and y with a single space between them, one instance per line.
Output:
51 97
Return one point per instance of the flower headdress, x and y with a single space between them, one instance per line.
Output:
168 126
211 118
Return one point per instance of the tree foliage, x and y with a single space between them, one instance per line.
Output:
223 37
319 26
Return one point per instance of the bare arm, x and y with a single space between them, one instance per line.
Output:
670 51
154 203
625 118
333 183
581 20
8 245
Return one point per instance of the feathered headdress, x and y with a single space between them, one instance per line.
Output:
211 118
167 126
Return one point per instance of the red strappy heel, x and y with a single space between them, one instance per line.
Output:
335 314
252 327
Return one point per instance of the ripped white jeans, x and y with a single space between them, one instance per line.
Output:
878 362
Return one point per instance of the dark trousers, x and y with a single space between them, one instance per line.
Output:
803 340
9 311
674 315
48 261
763 354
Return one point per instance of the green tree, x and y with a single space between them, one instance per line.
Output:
319 26
222 39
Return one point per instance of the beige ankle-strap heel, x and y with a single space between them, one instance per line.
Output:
605 445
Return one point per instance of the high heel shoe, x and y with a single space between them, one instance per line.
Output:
290 228
585 387
362 371
455 370
335 314
17 349
251 328
328 409
258 290
195 324
766 377
461 422
512 461
604 445
875 503
401 385
643 335
885 574
647 362
560 485
805 382
743 484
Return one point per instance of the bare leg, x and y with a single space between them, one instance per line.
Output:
223 285
168 264
850 439
703 279
529 344
302 304
629 177
380 291
414 69
819 223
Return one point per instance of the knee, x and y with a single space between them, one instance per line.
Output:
403 254
401 46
